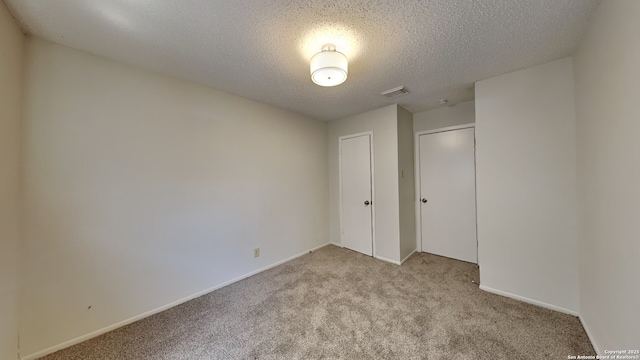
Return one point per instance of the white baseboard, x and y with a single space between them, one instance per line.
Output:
530 301
112 327
408 256
387 260
376 256
590 336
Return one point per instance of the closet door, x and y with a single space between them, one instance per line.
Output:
356 215
448 194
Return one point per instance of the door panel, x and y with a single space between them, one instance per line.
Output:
447 182
355 170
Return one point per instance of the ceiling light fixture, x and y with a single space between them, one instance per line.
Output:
329 67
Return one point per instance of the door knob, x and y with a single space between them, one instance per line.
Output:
424 200
366 203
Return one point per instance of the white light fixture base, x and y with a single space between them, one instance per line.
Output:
329 67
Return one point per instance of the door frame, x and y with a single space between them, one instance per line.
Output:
418 190
373 200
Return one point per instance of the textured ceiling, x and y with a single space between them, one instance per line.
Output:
261 49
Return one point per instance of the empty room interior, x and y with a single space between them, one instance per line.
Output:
347 179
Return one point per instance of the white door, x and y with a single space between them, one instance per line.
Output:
448 194
355 192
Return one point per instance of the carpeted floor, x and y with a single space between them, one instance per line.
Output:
338 304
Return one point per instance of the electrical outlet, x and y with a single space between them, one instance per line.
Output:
256 252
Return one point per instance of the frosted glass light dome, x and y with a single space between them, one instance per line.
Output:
329 67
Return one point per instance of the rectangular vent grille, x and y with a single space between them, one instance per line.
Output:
395 92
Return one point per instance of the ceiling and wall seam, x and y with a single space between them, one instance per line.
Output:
261 50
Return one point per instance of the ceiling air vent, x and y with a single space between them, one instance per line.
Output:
395 92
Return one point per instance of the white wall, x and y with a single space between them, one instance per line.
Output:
460 114
142 189
608 124
406 181
526 178
11 56
383 123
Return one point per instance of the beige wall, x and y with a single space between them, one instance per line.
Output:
142 190
383 123
460 114
11 56
406 181
607 70
526 180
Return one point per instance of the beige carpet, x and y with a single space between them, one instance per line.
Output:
338 304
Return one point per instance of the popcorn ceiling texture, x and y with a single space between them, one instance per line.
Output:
338 304
261 49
